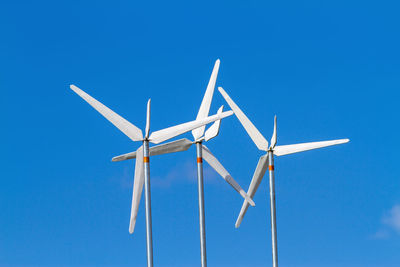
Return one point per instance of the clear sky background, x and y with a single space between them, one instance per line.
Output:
328 70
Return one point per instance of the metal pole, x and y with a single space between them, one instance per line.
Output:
149 235
273 209
201 204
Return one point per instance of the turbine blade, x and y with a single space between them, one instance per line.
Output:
273 138
252 131
174 146
255 182
130 130
165 134
148 119
213 161
214 129
206 103
290 149
137 188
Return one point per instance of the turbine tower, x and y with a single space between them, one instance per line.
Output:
267 160
142 168
199 135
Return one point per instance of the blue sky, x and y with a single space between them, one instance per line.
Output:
328 70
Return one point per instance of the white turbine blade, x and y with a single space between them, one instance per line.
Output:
126 156
214 129
273 138
165 134
175 146
206 103
123 125
148 119
137 188
290 149
252 131
213 161
255 182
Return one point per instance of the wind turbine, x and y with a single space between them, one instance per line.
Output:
142 168
267 160
199 135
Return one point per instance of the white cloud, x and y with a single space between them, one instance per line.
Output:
179 173
381 234
186 173
390 223
392 218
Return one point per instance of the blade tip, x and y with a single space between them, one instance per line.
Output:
132 227
239 220
251 202
228 113
119 158
237 224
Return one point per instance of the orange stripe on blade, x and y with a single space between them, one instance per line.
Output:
271 167
146 159
199 160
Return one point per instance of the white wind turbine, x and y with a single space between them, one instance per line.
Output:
267 160
199 135
142 168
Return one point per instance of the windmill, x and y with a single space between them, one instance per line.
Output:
142 168
199 136
267 160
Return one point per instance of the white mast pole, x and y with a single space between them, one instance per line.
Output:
149 234
202 223
273 208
